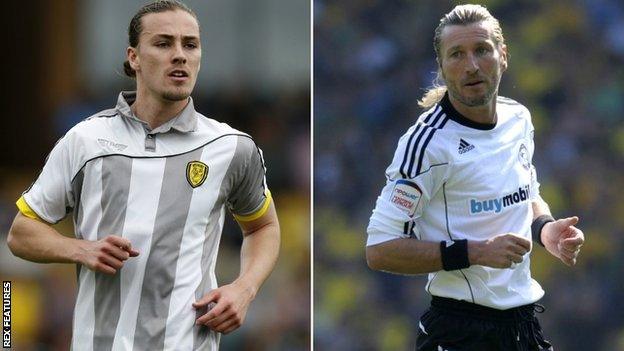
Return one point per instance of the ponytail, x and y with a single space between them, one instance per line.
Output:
432 97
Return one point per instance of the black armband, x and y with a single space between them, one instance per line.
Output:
537 225
455 255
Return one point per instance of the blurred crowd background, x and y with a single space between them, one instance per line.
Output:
65 63
373 60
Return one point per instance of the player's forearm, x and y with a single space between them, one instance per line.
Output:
259 253
36 241
540 207
405 256
411 256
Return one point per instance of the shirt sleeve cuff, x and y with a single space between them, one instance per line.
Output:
25 209
376 236
258 213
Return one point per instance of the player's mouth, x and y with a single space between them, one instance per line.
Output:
178 75
473 83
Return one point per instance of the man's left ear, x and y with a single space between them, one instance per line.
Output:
503 54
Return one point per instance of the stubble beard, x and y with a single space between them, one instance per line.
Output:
481 100
175 96
475 101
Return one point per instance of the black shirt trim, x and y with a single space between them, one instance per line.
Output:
453 114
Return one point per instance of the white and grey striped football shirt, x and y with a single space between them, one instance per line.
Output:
166 191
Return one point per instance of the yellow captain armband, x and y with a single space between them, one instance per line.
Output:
23 207
259 213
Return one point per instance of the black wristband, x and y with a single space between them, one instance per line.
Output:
537 225
455 255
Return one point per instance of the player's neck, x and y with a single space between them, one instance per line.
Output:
484 114
156 111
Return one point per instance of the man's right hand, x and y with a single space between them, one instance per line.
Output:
501 251
106 255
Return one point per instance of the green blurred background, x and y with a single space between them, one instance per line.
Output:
373 60
63 62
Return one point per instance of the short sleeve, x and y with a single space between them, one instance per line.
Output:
535 185
405 196
249 197
50 196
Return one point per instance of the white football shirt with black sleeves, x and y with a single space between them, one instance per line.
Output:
452 178
166 190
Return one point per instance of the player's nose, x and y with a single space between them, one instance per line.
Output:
179 56
472 66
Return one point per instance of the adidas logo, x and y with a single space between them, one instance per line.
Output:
464 146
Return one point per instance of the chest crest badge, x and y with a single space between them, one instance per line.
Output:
523 157
196 173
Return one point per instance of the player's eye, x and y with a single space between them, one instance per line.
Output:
162 44
482 50
191 45
455 54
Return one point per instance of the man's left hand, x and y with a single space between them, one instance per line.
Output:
228 313
563 240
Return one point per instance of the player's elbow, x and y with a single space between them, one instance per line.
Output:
13 239
374 258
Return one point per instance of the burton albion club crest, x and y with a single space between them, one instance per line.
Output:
196 173
523 156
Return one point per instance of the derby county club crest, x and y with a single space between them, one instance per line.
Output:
196 173
523 157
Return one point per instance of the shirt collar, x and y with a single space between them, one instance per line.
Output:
185 121
453 114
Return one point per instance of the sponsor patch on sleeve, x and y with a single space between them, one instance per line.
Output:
406 196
